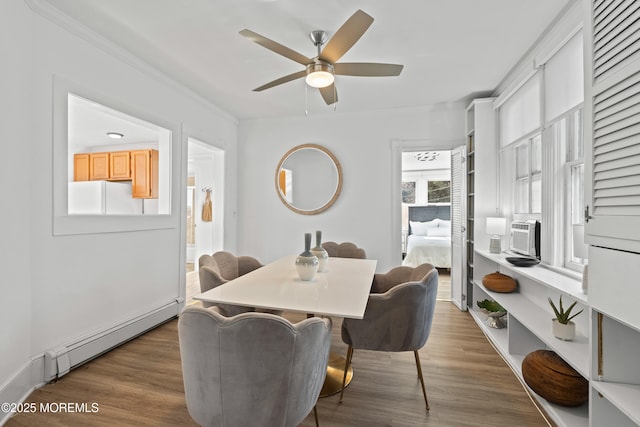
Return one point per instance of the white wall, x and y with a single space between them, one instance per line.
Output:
362 143
56 289
75 290
15 189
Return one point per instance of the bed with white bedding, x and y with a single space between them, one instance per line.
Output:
429 238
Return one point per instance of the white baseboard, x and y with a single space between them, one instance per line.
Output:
55 363
20 386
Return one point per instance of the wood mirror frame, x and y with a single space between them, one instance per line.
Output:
281 180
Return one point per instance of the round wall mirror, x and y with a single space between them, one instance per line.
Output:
308 179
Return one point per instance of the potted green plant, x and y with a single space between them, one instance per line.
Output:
494 311
563 327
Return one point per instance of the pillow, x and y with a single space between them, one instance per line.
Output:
420 228
439 232
445 223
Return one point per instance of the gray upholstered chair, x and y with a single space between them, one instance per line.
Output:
219 268
344 250
398 315
253 368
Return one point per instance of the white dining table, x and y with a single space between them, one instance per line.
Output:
342 290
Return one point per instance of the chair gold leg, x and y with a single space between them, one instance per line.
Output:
424 392
315 414
346 368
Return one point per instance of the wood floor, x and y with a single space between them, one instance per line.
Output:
468 384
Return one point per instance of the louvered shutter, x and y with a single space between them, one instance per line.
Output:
458 246
616 36
615 95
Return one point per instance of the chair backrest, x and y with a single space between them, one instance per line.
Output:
223 266
382 282
344 250
219 268
397 320
251 369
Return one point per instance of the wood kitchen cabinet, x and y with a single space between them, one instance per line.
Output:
90 166
81 167
144 176
98 166
138 166
120 165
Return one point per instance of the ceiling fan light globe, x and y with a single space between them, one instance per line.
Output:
319 79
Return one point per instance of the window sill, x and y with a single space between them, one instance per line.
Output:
564 271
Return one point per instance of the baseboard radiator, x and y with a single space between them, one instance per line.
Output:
59 361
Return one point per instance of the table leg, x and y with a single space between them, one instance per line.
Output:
335 372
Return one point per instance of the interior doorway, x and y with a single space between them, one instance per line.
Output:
205 207
426 183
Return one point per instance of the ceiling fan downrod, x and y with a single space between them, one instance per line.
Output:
318 38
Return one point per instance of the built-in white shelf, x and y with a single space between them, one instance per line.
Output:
542 275
498 337
529 324
564 416
538 321
626 397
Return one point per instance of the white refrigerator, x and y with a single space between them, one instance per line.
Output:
102 198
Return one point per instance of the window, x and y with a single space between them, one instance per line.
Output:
528 189
439 192
575 251
565 198
408 192
158 213
542 159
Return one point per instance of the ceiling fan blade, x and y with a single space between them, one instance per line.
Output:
281 80
276 47
346 36
367 69
329 94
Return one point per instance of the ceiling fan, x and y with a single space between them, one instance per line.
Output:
320 71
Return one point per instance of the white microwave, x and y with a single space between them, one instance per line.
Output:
525 238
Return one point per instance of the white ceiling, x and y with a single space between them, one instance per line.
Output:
89 123
451 49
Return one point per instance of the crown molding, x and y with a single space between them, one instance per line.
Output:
77 28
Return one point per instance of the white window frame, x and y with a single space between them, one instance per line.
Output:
421 179
558 210
572 215
530 176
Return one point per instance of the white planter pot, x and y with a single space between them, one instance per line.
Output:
564 332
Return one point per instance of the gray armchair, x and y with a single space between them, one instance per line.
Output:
221 267
344 250
253 368
396 319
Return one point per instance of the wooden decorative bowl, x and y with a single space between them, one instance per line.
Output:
498 282
552 378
